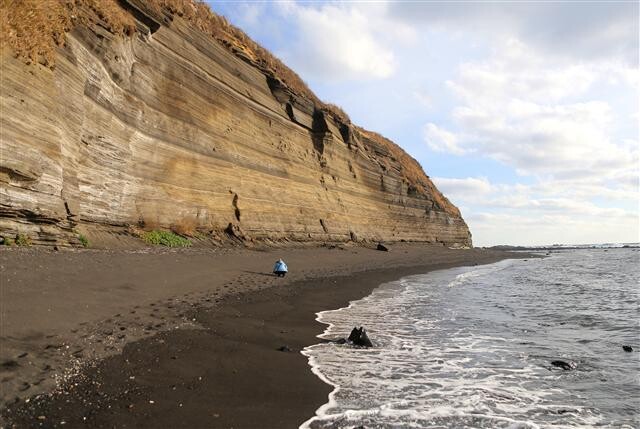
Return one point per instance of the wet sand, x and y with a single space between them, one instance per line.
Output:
189 338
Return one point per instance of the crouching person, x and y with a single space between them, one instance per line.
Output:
280 268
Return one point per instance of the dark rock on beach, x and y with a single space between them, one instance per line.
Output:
382 247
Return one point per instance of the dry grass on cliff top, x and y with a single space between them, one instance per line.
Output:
34 28
411 170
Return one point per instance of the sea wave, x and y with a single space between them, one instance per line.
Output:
472 347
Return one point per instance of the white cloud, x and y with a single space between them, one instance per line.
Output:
616 191
459 188
518 229
579 30
538 119
561 140
337 42
514 69
442 140
542 213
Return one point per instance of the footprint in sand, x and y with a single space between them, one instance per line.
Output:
10 365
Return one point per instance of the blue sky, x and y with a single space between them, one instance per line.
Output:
525 114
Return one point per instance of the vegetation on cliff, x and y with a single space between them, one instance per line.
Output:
165 238
33 28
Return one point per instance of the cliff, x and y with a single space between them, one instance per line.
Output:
132 115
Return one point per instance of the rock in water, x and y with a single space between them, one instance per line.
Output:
364 339
627 348
567 366
354 335
382 247
359 337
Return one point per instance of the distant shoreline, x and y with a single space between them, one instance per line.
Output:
566 247
222 368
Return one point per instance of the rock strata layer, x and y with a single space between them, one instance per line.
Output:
169 129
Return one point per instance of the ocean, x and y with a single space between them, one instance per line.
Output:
472 347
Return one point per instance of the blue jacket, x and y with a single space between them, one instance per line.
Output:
280 266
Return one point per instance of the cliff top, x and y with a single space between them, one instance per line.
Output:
34 28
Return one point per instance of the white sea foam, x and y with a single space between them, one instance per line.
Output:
452 349
480 271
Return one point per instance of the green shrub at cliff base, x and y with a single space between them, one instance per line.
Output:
165 238
83 240
22 240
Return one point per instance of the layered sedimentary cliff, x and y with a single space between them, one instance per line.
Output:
163 126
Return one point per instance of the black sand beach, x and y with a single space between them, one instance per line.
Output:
206 329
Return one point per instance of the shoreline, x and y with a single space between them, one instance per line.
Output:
226 370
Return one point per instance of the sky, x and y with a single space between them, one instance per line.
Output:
524 114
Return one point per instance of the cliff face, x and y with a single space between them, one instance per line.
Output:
168 128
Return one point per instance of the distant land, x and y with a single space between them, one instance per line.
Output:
567 246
